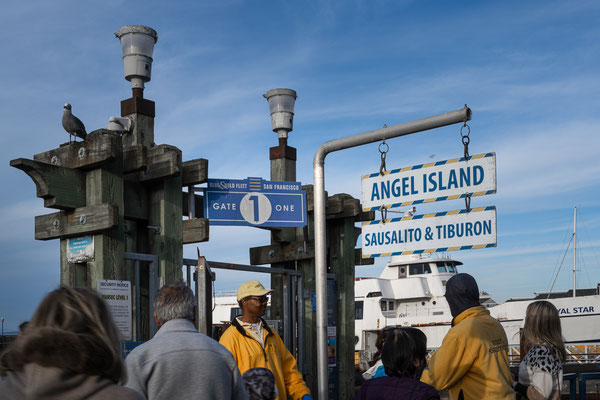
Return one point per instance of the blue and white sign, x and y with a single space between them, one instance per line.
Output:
425 183
80 249
255 202
428 233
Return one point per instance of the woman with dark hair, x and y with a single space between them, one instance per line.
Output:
70 350
540 371
403 357
376 369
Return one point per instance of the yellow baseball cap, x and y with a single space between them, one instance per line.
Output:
252 288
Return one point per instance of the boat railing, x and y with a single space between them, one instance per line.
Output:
585 353
226 293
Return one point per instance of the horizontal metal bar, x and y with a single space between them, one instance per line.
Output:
243 267
138 256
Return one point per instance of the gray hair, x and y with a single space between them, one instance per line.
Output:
174 301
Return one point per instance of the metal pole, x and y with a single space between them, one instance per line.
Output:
287 335
574 251
188 275
191 202
300 294
407 128
138 302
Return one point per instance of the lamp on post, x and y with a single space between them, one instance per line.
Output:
281 106
283 157
137 43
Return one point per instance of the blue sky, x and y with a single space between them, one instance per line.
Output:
528 70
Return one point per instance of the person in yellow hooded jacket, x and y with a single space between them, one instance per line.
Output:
254 345
472 362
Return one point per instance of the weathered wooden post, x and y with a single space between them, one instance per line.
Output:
124 192
342 213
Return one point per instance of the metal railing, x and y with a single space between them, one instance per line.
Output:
585 353
293 289
152 261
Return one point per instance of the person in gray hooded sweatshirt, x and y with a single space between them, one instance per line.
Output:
472 362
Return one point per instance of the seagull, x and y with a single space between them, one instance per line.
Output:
72 124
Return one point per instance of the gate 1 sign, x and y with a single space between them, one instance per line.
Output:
425 183
428 233
255 202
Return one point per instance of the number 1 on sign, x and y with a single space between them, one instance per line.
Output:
254 200
256 208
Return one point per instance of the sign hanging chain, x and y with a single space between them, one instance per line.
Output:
465 141
383 149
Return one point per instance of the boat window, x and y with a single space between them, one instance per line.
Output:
441 267
451 268
358 310
391 305
374 294
416 269
383 305
426 269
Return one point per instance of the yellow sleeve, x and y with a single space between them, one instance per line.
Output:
294 383
448 364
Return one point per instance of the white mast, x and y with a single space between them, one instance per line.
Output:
574 251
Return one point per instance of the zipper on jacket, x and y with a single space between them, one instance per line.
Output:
243 332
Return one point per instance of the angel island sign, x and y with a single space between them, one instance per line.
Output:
425 183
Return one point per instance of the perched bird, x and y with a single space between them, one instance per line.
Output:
72 124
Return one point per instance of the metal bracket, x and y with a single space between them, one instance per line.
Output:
156 228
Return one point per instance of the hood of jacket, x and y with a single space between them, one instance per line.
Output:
462 293
34 381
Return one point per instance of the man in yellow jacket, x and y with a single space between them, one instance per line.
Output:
254 345
472 362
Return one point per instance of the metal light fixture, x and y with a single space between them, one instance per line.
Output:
281 105
137 43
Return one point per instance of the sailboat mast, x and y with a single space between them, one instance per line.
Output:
574 251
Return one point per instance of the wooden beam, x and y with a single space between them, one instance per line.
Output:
281 253
163 161
136 204
195 230
98 148
195 172
135 158
359 260
342 206
365 216
60 187
78 222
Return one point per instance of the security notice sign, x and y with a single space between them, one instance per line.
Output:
425 183
428 233
117 295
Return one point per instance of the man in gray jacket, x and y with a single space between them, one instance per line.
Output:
179 362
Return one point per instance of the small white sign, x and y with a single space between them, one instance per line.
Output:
80 249
428 233
425 183
117 295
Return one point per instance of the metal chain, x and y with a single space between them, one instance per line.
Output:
465 138
465 141
383 149
384 212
